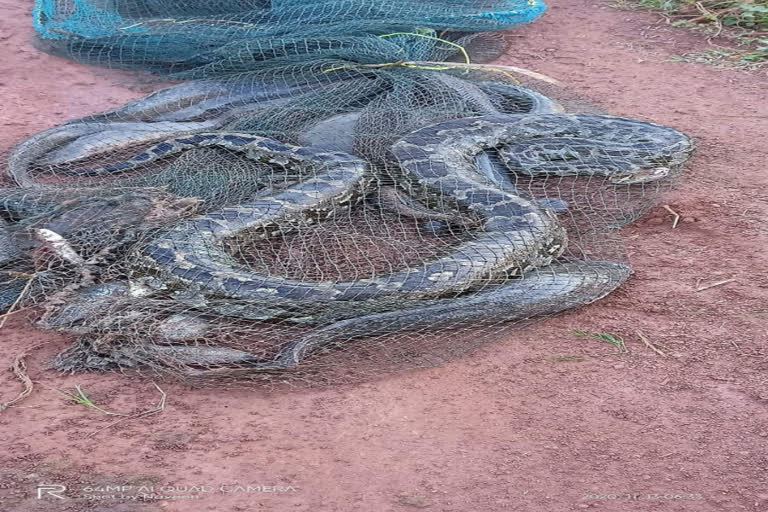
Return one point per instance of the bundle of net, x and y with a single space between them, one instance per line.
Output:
325 218
199 39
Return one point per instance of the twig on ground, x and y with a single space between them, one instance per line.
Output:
673 212
712 285
149 412
19 369
649 344
708 16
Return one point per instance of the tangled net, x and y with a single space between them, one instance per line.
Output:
334 190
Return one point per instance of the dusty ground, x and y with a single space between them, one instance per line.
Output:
519 425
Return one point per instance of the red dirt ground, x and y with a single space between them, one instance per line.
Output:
518 425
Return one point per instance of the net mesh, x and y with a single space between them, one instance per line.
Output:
334 190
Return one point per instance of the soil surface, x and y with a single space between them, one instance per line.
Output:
540 421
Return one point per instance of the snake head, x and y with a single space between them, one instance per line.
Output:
641 176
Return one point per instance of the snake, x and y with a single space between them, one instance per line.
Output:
626 151
440 157
539 292
204 106
516 236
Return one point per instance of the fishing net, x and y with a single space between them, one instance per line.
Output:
335 190
189 39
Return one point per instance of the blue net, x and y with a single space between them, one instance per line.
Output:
179 36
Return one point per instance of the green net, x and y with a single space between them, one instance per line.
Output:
337 190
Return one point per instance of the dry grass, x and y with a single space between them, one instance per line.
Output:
744 22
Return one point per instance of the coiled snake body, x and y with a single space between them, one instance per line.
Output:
516 237
516 234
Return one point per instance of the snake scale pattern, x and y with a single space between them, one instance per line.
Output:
516 236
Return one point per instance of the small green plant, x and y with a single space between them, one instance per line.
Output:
79 397
760 53
750 60
605 337
747 14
